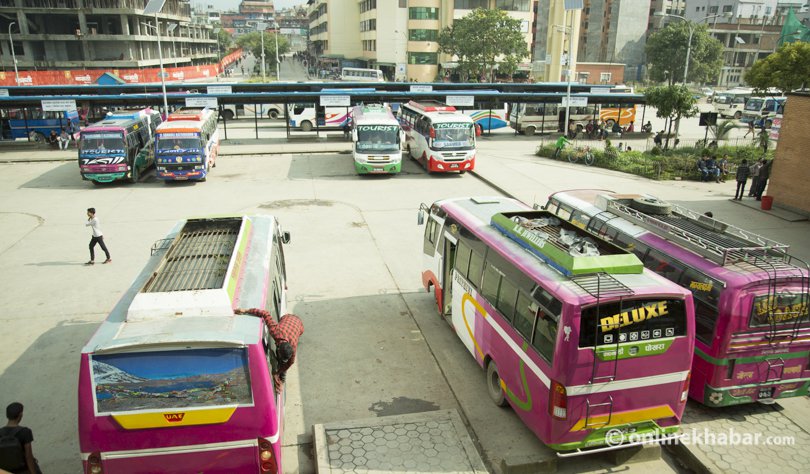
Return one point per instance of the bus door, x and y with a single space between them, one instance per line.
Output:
433 249
448 262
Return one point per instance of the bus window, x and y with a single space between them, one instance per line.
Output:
462 264
705 320
663 265
431 236
507 297
784 308
702 287
524 316
545 335
492 280
476 268
579 219
629 321
552 206
564 212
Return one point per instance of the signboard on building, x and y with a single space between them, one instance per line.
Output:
460 100
210 102
574 101
220 89
58 105
3 92
776 126
421 88
336 100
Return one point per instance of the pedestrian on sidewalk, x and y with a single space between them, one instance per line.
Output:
755 169
97 238
16 454
751 130
64 140
764 175
286 333
742 176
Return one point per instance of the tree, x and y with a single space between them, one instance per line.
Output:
666 54
786 69
671 102
253 42
480 38
224 39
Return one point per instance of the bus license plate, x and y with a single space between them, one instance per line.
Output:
453 166
766 392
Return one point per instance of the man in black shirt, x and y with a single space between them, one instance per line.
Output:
22 462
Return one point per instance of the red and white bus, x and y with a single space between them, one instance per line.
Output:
438 136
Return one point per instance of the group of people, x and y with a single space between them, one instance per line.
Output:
711 168
599 129
63 139
759 172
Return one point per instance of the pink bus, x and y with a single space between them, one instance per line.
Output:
572 331
752 326
173 380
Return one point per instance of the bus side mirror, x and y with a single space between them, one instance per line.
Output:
285 237
477 130
420 218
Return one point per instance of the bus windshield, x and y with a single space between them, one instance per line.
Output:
171 379
453 136
102 142
632 321
377 137
754 104
178 144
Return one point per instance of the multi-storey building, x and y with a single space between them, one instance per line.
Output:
103 34
400 37
250 13
674 7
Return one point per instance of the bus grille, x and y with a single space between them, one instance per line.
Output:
452 157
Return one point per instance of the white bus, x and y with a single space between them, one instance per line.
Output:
532 118
438 136
354 74
376 139
730 103
305 117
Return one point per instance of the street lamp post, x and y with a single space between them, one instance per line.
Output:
170 29
262 26
13 56
278 70
154 7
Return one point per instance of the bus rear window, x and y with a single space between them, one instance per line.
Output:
161 380
784 308
632 321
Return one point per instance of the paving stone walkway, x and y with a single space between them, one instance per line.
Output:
426 442
751 438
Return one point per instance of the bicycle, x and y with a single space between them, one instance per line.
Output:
584 153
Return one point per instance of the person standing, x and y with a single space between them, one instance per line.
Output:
16 454
97 238
286 333
742 176
755 168
764 174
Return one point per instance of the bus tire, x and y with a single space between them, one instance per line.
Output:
494 385
134 174
737 115
227 114
529 131
306 126
39 137
651 206
273 114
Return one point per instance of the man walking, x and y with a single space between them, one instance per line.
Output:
98 237
286 333
16 455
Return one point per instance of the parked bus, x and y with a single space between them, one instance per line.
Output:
572 331
187 144
730 103
173 380
376 139
306 116
354 74
762 110
622 113
529 119
438 136
119 146
37 124
489 119
752 326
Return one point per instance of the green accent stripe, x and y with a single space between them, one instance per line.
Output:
523 405
749 360
239 258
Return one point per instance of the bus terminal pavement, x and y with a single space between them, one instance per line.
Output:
510 167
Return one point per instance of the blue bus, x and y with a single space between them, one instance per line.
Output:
37 124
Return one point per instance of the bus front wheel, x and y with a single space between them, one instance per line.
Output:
529 131
273 114
494 385
306 126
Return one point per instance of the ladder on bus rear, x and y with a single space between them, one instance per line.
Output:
601 285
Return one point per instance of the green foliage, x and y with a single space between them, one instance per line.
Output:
658 164
672 102
723 128
253 42
480 37
666 54
786 69
224 39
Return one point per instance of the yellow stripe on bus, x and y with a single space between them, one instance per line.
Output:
622 418
140 421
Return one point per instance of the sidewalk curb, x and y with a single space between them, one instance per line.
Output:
693 460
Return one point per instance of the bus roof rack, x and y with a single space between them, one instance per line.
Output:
601 285
717 241
564 246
